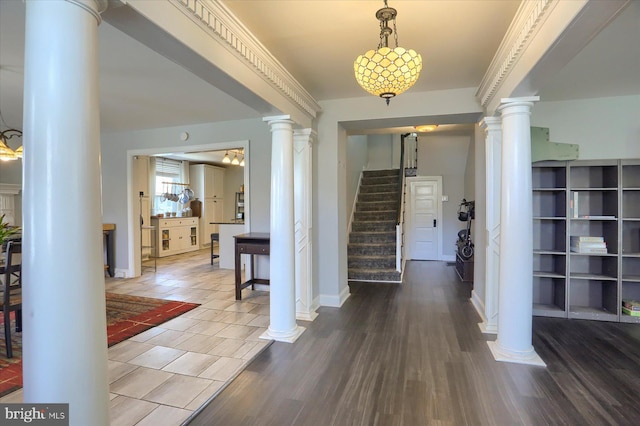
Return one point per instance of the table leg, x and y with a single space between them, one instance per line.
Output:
238 275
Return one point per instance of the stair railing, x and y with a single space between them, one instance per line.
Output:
400 220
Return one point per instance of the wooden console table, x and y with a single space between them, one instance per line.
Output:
253 243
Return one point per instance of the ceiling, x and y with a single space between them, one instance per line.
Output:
317 42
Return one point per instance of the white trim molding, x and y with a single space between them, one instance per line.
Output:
523 26
219 22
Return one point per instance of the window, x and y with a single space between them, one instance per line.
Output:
167 172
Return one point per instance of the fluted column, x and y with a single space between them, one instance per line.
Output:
515 297
282 327
493 166
64 337
302 178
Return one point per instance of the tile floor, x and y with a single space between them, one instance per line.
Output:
161 376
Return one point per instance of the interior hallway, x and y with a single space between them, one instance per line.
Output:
414 355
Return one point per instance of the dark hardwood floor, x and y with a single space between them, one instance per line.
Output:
412 354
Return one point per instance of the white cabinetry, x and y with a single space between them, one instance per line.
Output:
176 235
207 183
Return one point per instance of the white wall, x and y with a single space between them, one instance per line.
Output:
605 128
380 154
114 168
477 178
356 162
446 156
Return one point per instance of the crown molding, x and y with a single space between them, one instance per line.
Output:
220 23
528 19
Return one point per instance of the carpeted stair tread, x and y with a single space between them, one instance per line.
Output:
363 249
389 275
372 241
379 196
368 206
376 237
368 189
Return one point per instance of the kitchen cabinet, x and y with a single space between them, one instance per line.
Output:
207 183
176 235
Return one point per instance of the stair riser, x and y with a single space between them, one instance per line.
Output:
382 180
375 206
375 215
374 276
368 189
368 237
378 196
388 172
373 226
375 263
371 250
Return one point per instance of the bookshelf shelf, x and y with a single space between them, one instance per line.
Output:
586 199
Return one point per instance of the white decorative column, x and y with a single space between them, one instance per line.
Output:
493 166
515 298
64 337
282 327
302 184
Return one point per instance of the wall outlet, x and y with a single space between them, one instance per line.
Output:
445 198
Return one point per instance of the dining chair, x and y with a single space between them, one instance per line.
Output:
12 291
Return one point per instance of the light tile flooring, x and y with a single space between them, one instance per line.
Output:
161 376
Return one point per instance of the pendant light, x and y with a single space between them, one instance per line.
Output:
226 158
6 153
387 72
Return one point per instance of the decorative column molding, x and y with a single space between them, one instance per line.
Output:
63 233
282 327
302 190
94 7
493 135
515 298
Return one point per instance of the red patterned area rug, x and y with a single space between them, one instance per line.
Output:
126 317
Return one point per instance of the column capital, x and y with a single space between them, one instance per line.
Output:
94 7
491 123
278 119
525 101
309 135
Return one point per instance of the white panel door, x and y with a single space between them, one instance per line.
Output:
423 232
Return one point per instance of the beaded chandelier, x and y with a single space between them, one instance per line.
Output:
387 72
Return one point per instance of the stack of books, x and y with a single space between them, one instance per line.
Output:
631 307
588 245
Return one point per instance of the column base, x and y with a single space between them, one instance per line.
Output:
528 358
306 316
283 336
487 328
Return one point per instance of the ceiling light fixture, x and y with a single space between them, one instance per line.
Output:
242 162
226 158
387 72
426 127
235 160
6 153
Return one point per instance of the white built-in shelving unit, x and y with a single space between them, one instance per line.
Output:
586 198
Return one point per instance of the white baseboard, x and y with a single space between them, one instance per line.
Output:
334 301
122 273
478 304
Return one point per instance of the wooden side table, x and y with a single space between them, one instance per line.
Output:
253 243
